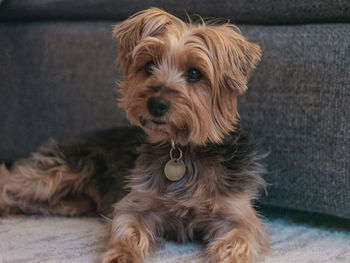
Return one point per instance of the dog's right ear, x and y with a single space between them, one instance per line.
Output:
150 22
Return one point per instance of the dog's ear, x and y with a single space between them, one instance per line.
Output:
233 55
242 58
148 23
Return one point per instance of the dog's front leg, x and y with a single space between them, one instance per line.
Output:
235 234
135 230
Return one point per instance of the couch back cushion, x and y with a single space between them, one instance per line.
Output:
239 11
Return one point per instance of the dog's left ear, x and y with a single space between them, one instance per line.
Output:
151 22
238 57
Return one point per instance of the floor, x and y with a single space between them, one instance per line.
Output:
37 239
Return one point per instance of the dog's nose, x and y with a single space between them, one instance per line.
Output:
157 106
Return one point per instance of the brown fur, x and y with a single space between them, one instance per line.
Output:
45 184
214 198
201 112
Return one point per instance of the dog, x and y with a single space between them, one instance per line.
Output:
189 172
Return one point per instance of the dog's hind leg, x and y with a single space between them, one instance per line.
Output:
48 183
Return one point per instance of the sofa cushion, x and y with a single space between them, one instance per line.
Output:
58 80
298 105
239 11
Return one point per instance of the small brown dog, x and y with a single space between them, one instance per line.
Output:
194 173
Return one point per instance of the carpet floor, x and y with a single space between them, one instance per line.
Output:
38 239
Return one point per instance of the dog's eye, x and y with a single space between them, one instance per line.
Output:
149 68
193 75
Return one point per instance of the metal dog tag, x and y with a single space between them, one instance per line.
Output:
174 170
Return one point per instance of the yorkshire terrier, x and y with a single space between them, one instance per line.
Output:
189 172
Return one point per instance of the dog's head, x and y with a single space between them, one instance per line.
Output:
182 79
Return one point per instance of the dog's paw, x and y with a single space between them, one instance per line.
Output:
227 253
237 246
119 255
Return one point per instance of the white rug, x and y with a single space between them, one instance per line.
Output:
76 240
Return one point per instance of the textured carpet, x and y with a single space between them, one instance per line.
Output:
75 240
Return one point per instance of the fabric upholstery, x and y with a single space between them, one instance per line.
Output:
58 73
57 79
239 11
298 105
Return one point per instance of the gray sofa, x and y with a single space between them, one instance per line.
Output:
58 73
58 70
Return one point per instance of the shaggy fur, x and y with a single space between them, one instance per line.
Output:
213 201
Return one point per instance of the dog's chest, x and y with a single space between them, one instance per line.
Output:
197 186
211 172
203 171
